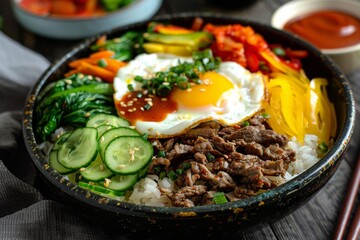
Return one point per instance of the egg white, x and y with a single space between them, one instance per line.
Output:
233 107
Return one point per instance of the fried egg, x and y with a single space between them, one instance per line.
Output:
229 95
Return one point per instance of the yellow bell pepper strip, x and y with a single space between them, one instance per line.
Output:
185 51
277 63
195 39
298 106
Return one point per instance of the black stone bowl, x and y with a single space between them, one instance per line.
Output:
233 216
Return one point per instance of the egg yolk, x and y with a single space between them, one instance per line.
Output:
205 94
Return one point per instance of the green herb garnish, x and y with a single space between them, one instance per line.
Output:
161 153
245 124
322 148
210 157
102 63
279 51
172 175
180 76
219 198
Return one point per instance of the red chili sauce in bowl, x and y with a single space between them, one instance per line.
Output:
327 29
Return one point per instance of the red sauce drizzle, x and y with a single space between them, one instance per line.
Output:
138 106
327 29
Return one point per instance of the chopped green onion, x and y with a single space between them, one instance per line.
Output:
130 87
323 148
172 175
161 153
219 198
266 115
179 171
210 157
157 169
181 75
102 63
279 51
147 106
245 124
186 165
139 95
162 174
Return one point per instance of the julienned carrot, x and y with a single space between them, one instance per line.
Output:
110 64
102 54
101 40
113 64
87 68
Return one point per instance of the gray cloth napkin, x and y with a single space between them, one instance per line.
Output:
25 211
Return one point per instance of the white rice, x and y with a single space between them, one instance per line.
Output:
306 155
147 192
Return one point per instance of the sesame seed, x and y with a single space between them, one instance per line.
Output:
130 110
188 90
90 77
132 127
101 167
136 149
106 182
150 95
166 83
81 75
150 103
164 99
192 84
148 99
122 165
122 112
135 99
82 169
102 138
202 89
87 114
142 109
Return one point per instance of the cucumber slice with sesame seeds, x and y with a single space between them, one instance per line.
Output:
106 119
122 182
127 155
103 128
100 189
96 171
113 133
80 148
60 141
53 161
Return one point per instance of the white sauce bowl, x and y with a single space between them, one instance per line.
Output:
348 58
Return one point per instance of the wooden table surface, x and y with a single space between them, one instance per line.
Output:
314 220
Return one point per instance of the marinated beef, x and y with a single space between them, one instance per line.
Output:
237 160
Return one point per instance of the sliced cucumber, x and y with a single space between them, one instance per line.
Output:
80 148
100 189
60 141
103 128
96 171
113 133
122 182
106 119
53 161
127 154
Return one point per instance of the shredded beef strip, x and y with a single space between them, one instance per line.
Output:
237 160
